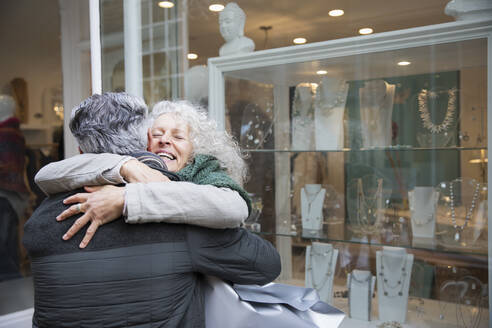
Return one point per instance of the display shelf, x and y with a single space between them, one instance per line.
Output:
349 150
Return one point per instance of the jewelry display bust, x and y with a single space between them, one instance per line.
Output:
394 268
376 110
423 205
231 23
302 118
312 199
7 107
321 261
360 285
329 109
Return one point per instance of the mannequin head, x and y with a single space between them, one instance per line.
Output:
231 22
7 107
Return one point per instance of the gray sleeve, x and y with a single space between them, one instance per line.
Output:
235 255
79 171
184 202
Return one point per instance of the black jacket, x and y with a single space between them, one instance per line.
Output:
145 275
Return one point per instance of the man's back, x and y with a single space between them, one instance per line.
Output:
134 275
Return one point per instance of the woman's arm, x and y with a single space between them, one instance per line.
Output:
81 170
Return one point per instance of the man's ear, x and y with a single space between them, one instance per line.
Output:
80 151
149 139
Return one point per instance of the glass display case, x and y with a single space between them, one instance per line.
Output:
369 168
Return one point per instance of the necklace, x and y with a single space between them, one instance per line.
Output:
367 211
469 212
399 284
425 218
325 102
321 258
425 115
361 283
390 324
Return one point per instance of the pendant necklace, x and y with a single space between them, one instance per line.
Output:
469 212
361 283
367 212
425 115
314 198
399 284
321 259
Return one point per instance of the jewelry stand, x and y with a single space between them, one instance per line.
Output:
394 268
376 108
423 205
302 120
360 286
312 199
321 261
329 109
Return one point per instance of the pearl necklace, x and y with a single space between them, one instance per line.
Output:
459 229
400 283
312 253
425 115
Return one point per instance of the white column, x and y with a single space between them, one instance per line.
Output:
95 24
133 47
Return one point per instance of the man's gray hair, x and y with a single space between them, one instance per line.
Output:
205 137
110 123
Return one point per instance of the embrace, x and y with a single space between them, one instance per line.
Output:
95 267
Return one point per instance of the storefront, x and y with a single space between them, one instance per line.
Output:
366 131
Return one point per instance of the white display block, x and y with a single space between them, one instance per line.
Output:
312 199
423 205
321 261
360 284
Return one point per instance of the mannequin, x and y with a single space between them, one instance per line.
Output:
231 22
394 268
302 120
329 109
376 107
423 205
360 284
321 261
312 199
196 85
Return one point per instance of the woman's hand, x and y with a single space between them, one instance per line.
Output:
134 171
102 204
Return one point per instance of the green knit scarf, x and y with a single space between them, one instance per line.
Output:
206 170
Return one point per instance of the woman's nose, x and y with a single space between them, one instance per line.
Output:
165 139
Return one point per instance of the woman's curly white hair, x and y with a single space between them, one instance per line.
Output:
205 137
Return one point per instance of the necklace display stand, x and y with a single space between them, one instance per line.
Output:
376 108
302 120
321 261
394 268
423 205
360 284
312 199
329 109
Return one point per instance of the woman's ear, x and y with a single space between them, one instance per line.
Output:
149 139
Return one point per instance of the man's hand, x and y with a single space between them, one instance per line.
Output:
100 205
133 171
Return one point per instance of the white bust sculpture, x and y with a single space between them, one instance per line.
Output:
231 22
7 107
469 9
196 84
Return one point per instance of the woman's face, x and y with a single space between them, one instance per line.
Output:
169 138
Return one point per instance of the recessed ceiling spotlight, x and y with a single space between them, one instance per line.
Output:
404 63
336 12
192 56
299 40
366 30
165 4
321 72
216 7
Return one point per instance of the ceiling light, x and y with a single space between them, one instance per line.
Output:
216 7
321 72
165 4
366 30
299 40
192 56
404 63
336 12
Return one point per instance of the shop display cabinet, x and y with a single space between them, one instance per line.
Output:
369 168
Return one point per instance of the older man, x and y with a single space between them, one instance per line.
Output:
132 276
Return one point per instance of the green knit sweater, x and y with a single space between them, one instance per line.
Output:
206 170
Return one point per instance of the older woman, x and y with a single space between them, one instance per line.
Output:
207 159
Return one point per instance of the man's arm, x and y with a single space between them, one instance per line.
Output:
79 171
235 255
